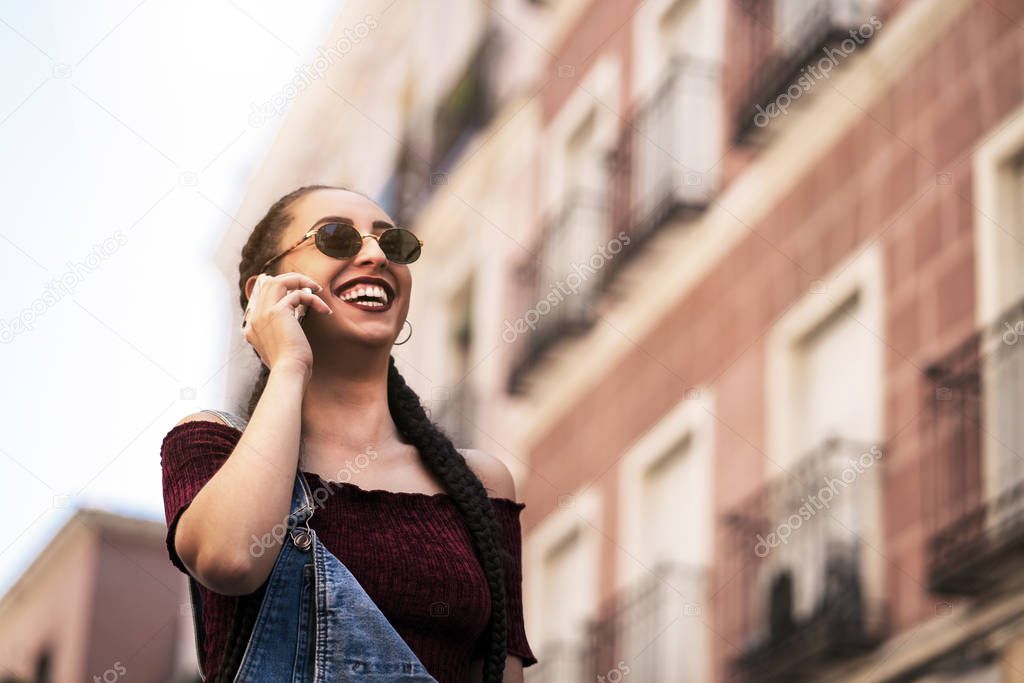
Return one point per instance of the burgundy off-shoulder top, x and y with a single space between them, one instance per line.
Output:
411 552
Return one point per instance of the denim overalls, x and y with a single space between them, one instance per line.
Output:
316 623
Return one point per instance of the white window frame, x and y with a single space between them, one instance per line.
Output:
688 424
580 512
653 56
650 57
992 197
989 196
860 275
599 94
690 420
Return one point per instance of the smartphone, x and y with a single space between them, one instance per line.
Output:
300 310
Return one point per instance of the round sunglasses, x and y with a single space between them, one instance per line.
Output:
342 240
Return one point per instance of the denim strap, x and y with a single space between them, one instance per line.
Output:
300 513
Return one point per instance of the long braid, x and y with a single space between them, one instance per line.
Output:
434 447
469 496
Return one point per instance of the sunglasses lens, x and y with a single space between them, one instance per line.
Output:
400 245
338 240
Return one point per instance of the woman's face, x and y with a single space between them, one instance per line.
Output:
370 325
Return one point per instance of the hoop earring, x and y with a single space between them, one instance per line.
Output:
399 343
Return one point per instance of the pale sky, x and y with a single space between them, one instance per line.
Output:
126 140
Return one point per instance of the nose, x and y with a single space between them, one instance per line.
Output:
370 252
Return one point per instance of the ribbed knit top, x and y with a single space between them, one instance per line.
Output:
411 553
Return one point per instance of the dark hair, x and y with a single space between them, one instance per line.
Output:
434 446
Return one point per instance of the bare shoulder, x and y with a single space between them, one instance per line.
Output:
492 472
201 416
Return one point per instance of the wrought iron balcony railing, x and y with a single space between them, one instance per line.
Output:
655 628
663 168
428 153
469 105
973 468
781 39
665 164
556 290
805 593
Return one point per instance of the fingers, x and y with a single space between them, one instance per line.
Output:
274 292
303 296
288 281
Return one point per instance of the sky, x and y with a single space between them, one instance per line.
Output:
126 139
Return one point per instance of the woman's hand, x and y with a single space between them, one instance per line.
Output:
270 324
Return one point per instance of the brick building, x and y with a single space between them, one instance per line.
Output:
99 603
796 398
732 286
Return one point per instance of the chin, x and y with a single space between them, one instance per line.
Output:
366 337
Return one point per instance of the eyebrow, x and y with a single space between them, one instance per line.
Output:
378 224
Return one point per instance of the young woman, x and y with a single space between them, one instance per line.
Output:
424 537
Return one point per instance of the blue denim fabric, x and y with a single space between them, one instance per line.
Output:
316 623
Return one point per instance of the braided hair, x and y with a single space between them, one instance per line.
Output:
433 445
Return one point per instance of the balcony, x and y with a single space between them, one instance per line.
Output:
655 627
779 40
806 592
664 166
429 152
468 106
555 291
973 473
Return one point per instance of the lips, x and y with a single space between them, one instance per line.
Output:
366 293
368 307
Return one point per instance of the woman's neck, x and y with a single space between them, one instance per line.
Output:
345 417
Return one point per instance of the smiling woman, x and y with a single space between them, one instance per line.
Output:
411 534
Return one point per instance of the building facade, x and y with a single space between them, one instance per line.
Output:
99 603
732 286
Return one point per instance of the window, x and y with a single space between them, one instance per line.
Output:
669 151
665 535
468 104
457 410
825 408
560 560
999 221
976 476
562 282
578 227
802 543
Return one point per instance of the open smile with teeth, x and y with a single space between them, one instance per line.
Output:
366 297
